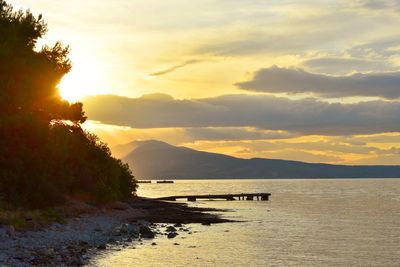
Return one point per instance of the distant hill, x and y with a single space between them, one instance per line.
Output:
158 160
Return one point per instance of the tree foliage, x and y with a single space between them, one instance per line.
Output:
44 153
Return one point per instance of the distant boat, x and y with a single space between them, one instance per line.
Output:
165 182
144 182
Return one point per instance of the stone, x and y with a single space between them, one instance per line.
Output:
124 228
102 247
77 261
11 231
171 229
83 243
178 225
118 205
146 232
133 229
172 235
3 231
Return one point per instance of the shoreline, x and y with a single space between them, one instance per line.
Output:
75 242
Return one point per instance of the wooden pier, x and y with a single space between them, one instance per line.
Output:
242 196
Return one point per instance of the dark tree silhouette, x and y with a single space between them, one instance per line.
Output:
29 78
43 157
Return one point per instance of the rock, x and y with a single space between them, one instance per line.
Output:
176 244
154 244
3 231
48 252
178 225
102 247
172 235
81 207
117 233
134 230
119 206
124 228
171 229
143 223
205 223
55 226
11 231
76 260
83 243
146 232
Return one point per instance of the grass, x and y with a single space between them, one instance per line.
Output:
26 219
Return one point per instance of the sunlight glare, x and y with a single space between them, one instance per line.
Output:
80 82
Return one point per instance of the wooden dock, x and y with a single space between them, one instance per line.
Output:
242 196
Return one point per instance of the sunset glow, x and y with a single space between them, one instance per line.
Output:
81 82
288 64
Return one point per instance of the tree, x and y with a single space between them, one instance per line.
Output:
42 157
29 78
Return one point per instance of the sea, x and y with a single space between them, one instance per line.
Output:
306 222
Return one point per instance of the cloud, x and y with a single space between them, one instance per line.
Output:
296 81
339 65
171 69
306 116
234 133
380 50
377 5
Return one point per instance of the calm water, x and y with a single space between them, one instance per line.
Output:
306 223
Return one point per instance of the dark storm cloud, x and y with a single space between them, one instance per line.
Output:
295 81
307 116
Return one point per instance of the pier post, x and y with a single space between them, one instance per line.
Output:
191 199
265 197
249 198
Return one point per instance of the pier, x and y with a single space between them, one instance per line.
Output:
242 196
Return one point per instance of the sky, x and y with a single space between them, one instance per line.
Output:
311 80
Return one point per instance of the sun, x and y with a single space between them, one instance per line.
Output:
76 85
70 89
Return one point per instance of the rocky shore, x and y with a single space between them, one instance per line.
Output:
95 229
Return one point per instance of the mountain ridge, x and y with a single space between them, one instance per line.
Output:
153 159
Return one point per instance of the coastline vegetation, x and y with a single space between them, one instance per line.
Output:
45 155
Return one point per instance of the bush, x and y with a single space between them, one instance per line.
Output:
65 160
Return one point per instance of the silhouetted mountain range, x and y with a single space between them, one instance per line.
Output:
158 160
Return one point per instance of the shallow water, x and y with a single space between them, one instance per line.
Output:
340 222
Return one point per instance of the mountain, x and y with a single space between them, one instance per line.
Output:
158 160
